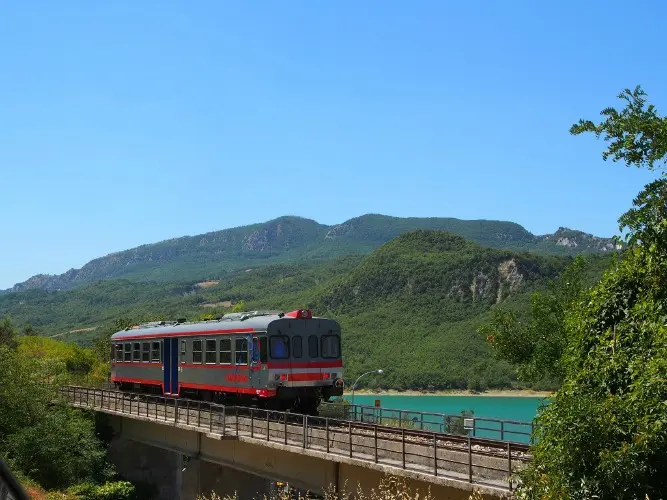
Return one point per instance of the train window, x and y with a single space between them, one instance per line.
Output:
297 346
146 352
330 346
263 350
119 352
312 346
155 352
210 351
184 347
241 350
225 351
279 346
127 352
136 352
196 351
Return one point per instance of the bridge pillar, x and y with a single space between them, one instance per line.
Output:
171 475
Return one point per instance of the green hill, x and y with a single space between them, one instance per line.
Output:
297 240
411 307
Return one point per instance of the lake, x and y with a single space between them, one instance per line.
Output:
522 409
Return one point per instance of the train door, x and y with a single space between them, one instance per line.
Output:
170 366
257 357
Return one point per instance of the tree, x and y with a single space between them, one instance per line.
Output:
604 434
7 333
638 135
536 347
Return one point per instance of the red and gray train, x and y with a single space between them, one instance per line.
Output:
283 361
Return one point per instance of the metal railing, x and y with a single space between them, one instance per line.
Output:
504 430
470 459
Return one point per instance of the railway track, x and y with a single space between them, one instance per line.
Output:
455 442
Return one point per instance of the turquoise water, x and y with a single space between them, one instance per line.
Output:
521 409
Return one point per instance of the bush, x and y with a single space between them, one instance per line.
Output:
61 449
337 409
115 490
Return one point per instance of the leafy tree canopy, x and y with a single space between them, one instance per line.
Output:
604 434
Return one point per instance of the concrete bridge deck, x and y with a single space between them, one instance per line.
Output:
309 452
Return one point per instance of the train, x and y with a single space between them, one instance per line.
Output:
275 360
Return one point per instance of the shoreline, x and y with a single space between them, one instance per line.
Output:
514 393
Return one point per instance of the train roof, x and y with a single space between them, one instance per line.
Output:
233 322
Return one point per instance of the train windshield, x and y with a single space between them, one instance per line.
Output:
279 345
330 346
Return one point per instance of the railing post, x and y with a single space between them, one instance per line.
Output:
375 439
187 412
435 454
403 445
285 424
305 430
224 420
198 413
156 417
175 410
268 427
210 419
502 430
236 412
469 459
102 403
326 426
252 423
115 402
350 437
509 465
422 421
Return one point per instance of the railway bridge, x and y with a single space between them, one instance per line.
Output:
189 447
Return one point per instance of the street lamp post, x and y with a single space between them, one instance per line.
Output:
379 372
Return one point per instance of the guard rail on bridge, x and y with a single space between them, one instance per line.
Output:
464 458
492 428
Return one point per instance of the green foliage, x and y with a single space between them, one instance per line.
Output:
239 307
60 449
536 347
339 409
7 333
54 445
638 135
456 425
604 434
114 490
605 431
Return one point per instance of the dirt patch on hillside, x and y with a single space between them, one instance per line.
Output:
225 303
206 284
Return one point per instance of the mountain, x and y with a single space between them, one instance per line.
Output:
411 307
294 239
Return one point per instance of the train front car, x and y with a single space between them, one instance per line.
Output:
274 360
305 364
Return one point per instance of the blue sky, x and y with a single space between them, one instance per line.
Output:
123 123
